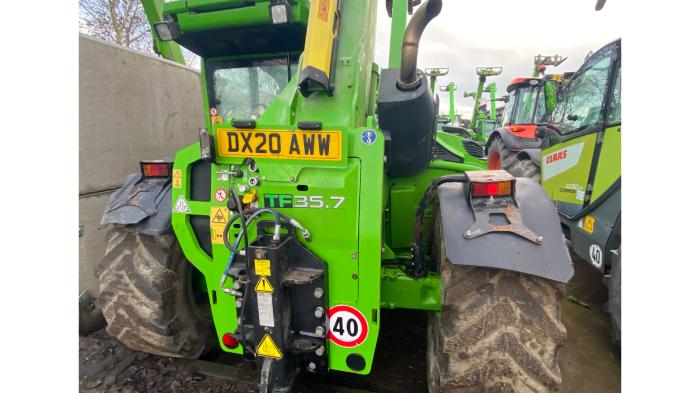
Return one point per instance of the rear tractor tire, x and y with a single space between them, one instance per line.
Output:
614 304
499 157
147 297
499 331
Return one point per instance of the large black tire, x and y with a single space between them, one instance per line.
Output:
509 161
499 157
147 298
614 305
499 331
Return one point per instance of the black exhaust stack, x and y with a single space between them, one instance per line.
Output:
406 108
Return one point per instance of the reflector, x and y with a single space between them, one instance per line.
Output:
229 340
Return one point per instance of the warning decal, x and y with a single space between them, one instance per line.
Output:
347 327
177 178
262 267
589 224
218 217
181 205
220 195
217 120
268 348
266 314
264 285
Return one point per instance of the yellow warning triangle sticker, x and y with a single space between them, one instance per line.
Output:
264 285
219 215
268 348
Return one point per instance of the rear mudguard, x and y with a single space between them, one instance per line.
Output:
512 142
505 250
144 203
533 155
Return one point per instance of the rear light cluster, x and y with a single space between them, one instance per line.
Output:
156 168
502 188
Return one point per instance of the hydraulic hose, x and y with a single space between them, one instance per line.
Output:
416 265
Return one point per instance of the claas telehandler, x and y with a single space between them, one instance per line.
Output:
319 193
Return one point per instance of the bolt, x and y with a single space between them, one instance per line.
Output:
242 188
354 276
318 293
292 178
239 303
354 255
468 234
312 366
259 254
320 330
253 167
539 239
320 350
318 312
236 285
253 181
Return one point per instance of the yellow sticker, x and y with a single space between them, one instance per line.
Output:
177 178
589 224
262 267
218 217
217 120
264 285
268 348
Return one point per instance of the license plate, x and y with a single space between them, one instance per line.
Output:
293 145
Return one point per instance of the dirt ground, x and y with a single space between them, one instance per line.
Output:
588 362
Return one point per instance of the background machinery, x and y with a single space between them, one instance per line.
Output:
528 103
311 201
575 153
475 124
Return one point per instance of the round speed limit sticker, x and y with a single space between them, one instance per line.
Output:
347 327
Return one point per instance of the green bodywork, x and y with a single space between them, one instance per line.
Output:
362 239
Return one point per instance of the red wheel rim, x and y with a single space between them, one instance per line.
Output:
494 160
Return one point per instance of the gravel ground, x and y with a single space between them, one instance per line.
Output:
589 364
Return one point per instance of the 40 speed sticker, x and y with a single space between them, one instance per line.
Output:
347 327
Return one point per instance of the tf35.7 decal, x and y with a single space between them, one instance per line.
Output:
288 201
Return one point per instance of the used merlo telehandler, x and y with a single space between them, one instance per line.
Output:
320 193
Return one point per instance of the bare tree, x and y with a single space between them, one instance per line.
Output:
122 22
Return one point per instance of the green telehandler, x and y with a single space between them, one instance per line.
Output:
319 193
478 120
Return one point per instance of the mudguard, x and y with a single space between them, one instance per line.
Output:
142 202
533 155
505 250
512 142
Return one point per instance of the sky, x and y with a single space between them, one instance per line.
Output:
507 33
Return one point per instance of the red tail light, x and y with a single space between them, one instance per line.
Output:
501 188
156 168
229 340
